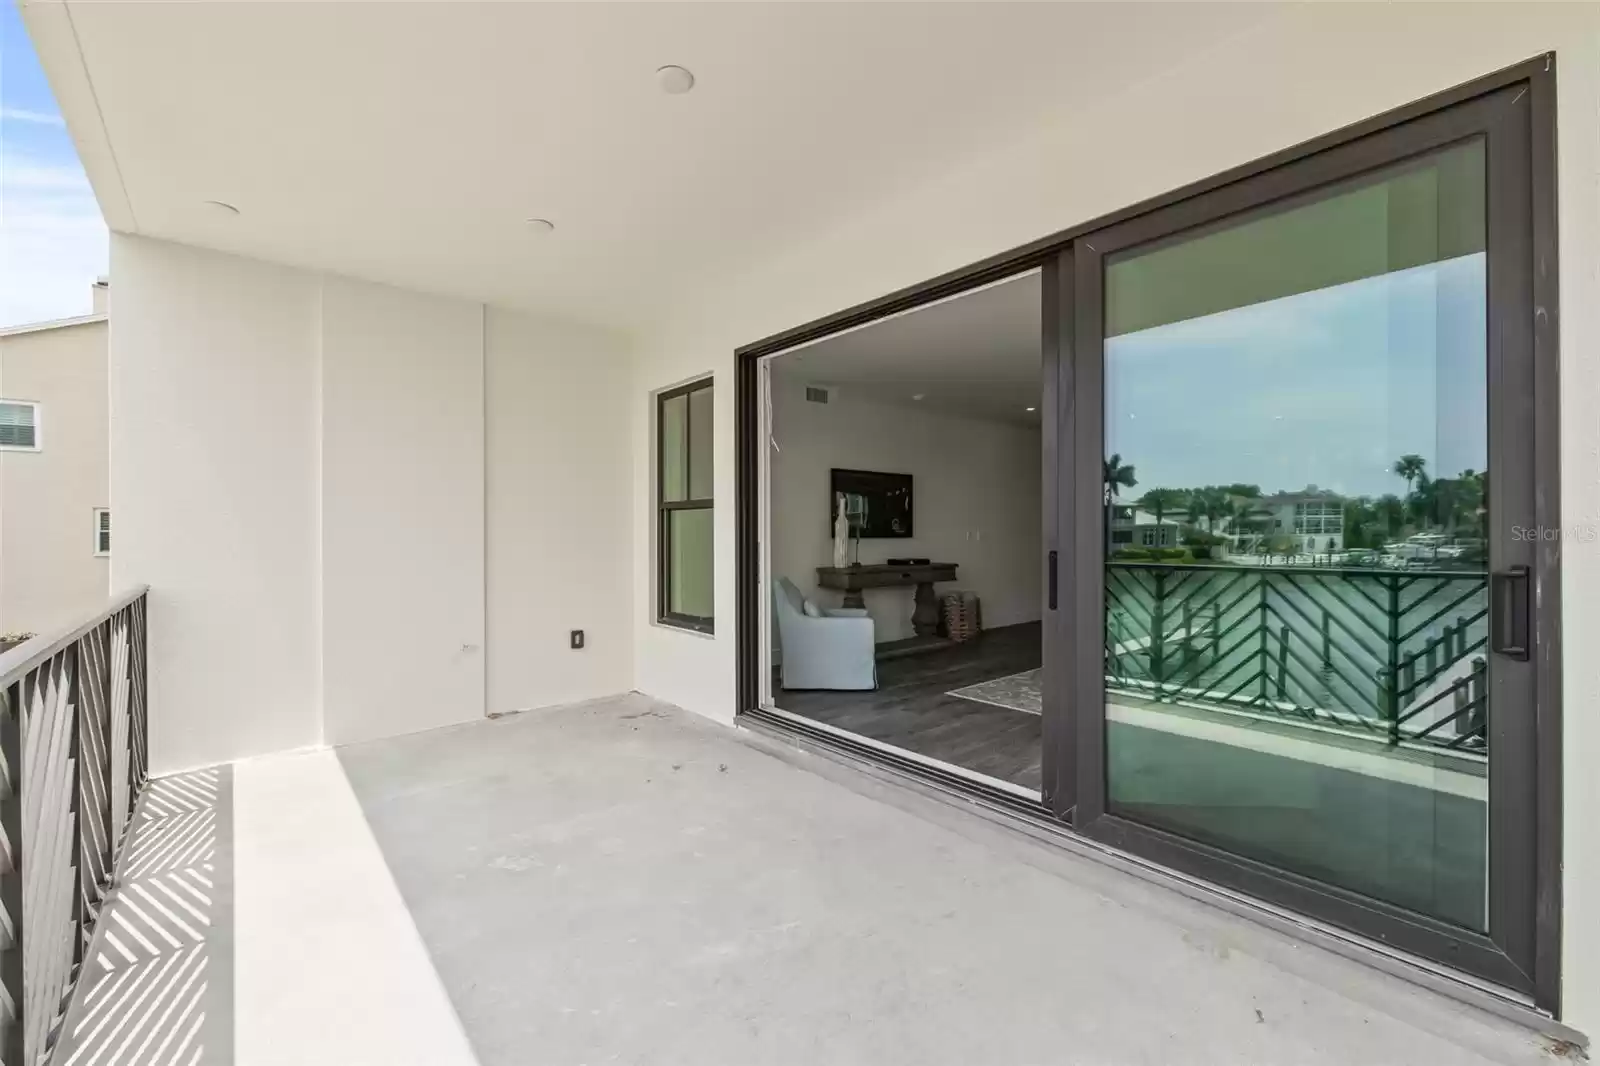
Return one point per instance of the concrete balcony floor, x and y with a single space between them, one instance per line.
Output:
622 882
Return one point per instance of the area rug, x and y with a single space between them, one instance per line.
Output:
1018 692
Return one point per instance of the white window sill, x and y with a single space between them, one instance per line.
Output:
683 630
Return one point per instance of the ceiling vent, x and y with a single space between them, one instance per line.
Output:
817 394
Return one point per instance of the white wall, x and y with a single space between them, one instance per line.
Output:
689 669
977 500
558 512
214 488
50 576
1258 93
349 499
402 511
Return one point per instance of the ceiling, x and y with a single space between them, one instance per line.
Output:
976 355
409 142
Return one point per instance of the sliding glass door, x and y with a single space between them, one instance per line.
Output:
1301 533
1297 536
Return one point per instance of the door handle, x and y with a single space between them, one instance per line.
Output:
1052 580
1509 612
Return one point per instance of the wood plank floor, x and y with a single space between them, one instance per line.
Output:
912 709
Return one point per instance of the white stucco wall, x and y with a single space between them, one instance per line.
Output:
558 512
1290 81
340 524
50 575
214 488
402 511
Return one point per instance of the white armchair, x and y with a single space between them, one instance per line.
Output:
834 651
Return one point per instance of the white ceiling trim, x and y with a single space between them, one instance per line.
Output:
873 323
53 323
55 36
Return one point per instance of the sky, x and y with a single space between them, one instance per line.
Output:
53 242
1324 388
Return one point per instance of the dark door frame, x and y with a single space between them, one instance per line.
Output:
1537 975
1505 955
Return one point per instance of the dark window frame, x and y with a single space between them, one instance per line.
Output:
665 508
1066 519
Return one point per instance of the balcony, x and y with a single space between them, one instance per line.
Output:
1393 657
611 881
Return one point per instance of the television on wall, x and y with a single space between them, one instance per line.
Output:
877 505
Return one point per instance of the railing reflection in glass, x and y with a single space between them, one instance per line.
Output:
1297 530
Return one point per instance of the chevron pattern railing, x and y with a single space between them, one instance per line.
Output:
73 756
1395 654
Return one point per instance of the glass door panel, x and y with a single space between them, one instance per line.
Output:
1296 529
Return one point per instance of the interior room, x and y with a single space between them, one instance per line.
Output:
905 491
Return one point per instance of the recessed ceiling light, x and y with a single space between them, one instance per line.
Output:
1033 408
674 80
541 225
918 395
229 208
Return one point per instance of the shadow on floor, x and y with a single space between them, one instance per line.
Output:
157 985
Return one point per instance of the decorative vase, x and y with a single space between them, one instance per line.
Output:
841 532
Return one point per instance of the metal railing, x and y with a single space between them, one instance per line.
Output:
74 748
1395 654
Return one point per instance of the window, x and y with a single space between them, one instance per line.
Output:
684 582
19 425
102 531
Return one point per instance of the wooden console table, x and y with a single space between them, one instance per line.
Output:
853 580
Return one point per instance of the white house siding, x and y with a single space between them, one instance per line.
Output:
341 526
1282 84
49 573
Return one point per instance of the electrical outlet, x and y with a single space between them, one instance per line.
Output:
577 640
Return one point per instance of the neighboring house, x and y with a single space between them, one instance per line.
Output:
1313 519
1135 527
55 522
